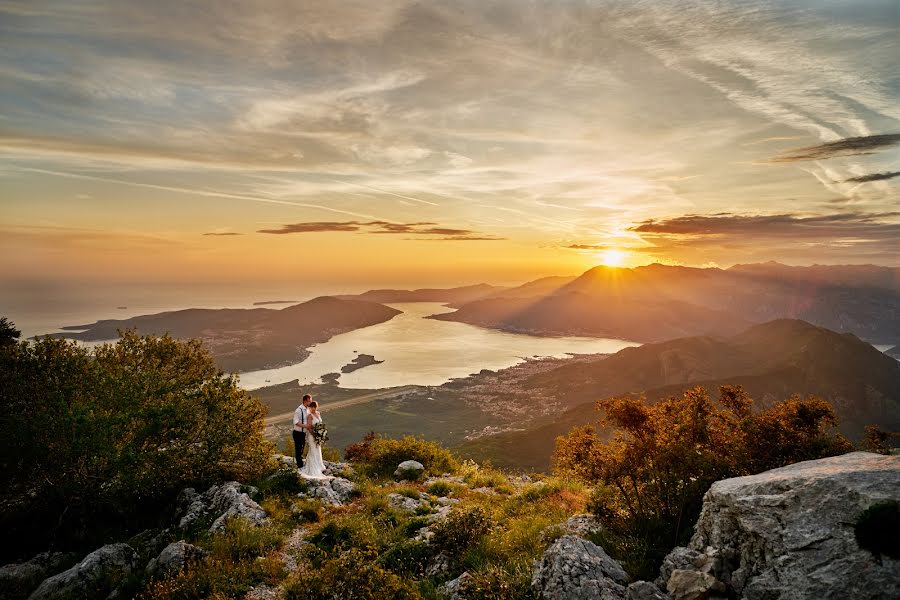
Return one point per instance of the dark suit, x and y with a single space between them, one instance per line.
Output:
299 443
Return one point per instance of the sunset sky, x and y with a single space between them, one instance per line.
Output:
443 142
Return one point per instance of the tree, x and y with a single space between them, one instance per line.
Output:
8 333
651 476
111 432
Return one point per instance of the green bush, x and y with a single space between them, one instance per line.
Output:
408 558
345 533
651 477
380 456
353 574
94 440
878 529
242 539
462 529
440 488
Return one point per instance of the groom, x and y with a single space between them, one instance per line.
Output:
301 416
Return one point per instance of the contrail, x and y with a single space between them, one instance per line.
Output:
208 193
375 189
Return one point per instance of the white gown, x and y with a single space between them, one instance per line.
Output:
314 466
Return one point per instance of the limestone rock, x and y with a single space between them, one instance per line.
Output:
174 558
789 533
17 580
219 503
97 575
339 469
455 589
407 504
644 590
332 492
409 469
575 569
440 566
582 525
694 585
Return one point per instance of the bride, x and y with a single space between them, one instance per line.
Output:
315 466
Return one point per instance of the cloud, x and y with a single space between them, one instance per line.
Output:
873 177
766 226
854 146
383 227
223 233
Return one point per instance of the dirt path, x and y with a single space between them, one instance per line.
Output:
390 393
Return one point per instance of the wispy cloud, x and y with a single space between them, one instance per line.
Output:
855 146
383 227
873 177
223 233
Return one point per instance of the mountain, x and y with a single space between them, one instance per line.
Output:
249 339
772 361
455 295
657 302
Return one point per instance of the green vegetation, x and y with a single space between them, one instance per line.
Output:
379 456
96 441
651 477
878 529
8 332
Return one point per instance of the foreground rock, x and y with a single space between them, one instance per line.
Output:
220 503
99 574
332 492
17 580
173 558
789 533
576 569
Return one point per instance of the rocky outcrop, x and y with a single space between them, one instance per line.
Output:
173 558
96 576
575 569
789 533
582 525
17 580
332 492
456 588
220 503
409 469
644 590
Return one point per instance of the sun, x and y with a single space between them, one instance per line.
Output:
613 258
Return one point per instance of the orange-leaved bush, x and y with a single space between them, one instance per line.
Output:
651 476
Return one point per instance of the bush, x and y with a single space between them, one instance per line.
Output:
440 488
651 477
105 436
878 529
353 574
462 529
381 456
242 539
409 558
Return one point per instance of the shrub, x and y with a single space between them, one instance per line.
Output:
242 539
94 439
877 440
497 583
651 477
462 529
380 456
440 488
878 529
353 574
308 510
344 534
408 558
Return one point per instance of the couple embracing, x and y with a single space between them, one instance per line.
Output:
306 417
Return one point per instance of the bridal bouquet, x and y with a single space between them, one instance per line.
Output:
320 433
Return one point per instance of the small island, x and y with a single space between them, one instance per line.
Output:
361 361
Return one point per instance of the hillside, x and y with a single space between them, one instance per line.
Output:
657 302
248 339
772 361
450 295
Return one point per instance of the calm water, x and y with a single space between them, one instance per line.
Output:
423 351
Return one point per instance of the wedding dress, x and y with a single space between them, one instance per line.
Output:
314 467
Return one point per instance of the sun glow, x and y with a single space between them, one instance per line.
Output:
613 258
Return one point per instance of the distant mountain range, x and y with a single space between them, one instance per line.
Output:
659 302
772 361
448 295
249 339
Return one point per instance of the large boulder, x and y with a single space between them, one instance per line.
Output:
98 574
173 558
17 580
789 533
410 469
576 569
